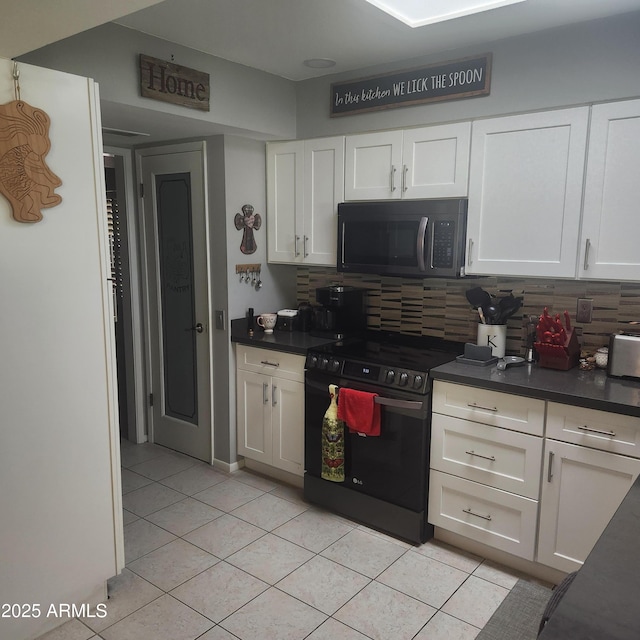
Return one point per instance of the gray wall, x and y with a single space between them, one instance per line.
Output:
242 99
588 62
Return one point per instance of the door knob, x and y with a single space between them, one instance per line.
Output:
199 328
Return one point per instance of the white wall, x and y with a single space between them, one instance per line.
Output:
583 63
60 511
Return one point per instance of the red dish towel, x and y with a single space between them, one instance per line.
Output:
359 411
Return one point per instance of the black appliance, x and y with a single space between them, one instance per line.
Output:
410 238
342 312
386 477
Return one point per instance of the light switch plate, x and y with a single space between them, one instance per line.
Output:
220 320
584 312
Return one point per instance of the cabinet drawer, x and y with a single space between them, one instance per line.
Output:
491 516
494 408
597 429
274 363
502 459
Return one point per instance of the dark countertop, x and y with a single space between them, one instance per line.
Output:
591 389
289 341
602 601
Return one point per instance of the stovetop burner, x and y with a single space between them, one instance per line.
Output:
385 358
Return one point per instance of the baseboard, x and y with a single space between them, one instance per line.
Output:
228 467
535 570
273 472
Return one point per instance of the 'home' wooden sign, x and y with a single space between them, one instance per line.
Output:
172 83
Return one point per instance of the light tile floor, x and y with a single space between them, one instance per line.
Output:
215 556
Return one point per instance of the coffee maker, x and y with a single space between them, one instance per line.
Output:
342 312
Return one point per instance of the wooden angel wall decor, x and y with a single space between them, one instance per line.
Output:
25 179
248 221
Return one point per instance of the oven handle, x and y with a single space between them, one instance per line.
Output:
413 405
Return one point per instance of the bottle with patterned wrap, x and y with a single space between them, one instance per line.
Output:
332 441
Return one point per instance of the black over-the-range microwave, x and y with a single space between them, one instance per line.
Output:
409 238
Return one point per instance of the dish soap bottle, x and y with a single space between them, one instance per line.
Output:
332 441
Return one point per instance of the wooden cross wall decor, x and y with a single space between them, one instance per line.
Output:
25 179
248 221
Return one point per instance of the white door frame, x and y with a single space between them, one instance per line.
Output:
139 155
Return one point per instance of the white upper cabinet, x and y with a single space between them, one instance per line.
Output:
373 161
525 194
429 162
611 223
305 183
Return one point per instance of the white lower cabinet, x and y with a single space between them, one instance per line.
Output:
488 479
485 479
270 407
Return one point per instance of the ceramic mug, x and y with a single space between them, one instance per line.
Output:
267 321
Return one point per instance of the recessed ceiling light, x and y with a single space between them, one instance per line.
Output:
319 63
417 13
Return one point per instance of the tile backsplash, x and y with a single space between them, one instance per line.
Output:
438 307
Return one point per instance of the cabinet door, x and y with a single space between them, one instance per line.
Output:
435 161
525 194
323 190
610 228
285 184
373 166
253 395
581 490
287 400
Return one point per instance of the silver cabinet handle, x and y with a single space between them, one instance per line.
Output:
550 471
477 515
474 405
305 239
479 455
611 434
296 253
274 391
270 364
393 178
405 169
265 394
469 261
587 246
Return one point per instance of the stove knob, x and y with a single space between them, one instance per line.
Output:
324 363
334 365
417 382
390 377
404 378
313 361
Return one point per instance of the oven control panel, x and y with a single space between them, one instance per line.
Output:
384 375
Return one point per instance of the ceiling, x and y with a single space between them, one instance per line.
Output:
278 35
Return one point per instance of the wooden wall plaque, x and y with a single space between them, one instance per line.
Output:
168 82
25 179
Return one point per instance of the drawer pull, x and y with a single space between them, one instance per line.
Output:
611 434
477 515
473 405
479 455
270 364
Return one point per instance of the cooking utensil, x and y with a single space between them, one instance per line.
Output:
478 297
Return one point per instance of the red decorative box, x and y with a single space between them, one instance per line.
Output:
557 356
